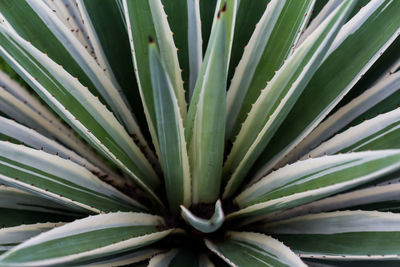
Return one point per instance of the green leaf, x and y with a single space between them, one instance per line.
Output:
312 179
16 199
381 132
384 67
32 101
86 239
205 124
380 198
60 180
171 137
353 44
253 249
248 14
12 236
269 46
168 52
147 18
278 98
131 258
49 34
18 104
207 13
180 257
350 263
71 16
140 26
18 207
230 7
204 225
384 89
16 133
78 107
321 10
184 20
344 235
103 24
194 43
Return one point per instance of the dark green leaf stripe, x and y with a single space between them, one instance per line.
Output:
15 217
177 12
207 13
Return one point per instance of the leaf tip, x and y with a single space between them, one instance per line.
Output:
223 8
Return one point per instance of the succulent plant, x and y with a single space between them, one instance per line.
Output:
228 132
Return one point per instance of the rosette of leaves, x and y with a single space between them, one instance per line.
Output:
200 133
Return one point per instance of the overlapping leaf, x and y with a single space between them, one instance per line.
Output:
352 53
89 238
253 249
19 207
60 180
205 126
180 257
171 137
344 235
77 106
270 44
278 98
312 179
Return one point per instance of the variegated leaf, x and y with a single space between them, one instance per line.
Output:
278 97
353 44
60 180
89 238
241 249
342 235
310 180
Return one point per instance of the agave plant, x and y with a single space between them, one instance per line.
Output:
277 147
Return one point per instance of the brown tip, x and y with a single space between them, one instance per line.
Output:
223 8
151 40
